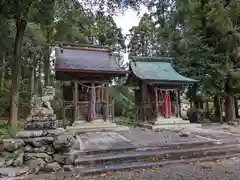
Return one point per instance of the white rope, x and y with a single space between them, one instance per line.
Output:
161 90
90 87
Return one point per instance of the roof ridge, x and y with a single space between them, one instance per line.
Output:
151 58
70 45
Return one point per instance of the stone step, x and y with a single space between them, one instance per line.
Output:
101 168
95 126
172 146
81 171
157 155
78 153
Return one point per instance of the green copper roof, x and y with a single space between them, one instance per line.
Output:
157 69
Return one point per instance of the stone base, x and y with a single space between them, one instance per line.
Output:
40 125
95 126
170 124
39 133
41 122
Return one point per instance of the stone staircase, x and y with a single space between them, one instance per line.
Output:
93 162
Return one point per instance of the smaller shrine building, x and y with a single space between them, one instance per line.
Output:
86 72
157 84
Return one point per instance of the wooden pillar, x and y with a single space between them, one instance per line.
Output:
177 103
156 96
143 101
75 99
107 102
93 101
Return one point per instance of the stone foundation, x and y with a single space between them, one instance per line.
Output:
169 124
41 147
40 151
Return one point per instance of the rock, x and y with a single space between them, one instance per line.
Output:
55 132
44 156
44 149
9 162
13 172
19 160
39 133
41 125
182 134
59 158
2 162
39 142
31 134
69 160
7 154
233 123
68 168
36 164
63 142
29 149
52 167
12 144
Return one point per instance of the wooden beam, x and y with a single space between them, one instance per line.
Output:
107 101
177 102
156 96
75 96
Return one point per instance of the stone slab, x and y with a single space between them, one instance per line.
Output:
97 126
39 133
103 141
13 172
212 134
170 126
48 117
40 125
39 141
171 121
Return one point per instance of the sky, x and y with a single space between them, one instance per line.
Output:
127 20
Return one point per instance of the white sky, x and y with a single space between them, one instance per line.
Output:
127 20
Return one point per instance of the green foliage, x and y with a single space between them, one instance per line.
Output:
9 131
123 99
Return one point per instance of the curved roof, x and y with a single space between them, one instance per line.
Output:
157 69
82 58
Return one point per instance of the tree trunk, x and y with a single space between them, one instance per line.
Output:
218 98
217 106
46 65
236 107
33 78
3 72
230 108
16 70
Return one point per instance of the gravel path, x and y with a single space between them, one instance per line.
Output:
227 169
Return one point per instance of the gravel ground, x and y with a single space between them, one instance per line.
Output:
227 169
144 137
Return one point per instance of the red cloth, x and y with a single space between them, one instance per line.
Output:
165 107
161 108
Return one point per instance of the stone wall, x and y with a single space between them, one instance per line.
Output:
39 151
41 146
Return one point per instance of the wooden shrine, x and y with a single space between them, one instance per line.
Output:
88 71
156 85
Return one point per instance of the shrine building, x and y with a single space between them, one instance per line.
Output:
157 84
88 71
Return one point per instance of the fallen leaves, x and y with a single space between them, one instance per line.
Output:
106 174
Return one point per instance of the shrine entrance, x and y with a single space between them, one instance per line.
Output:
157 85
